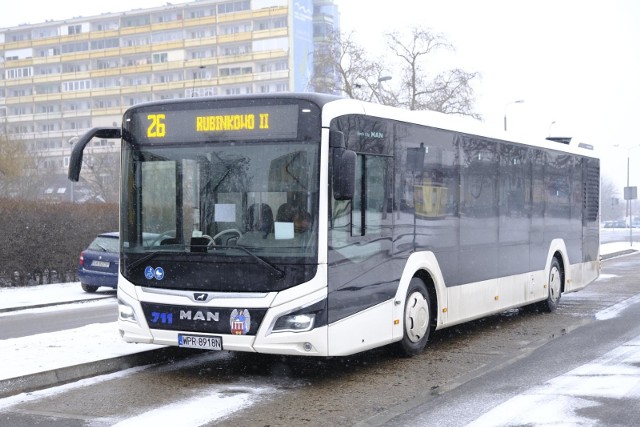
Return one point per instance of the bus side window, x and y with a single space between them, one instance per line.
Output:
369 199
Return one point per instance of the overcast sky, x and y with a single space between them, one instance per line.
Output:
573 62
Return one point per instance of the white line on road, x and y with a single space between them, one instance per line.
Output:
210 405
614 311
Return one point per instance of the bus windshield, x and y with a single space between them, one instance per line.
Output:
207 207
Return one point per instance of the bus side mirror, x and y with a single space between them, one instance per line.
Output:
344 167
75 161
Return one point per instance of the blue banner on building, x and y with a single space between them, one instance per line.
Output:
302 31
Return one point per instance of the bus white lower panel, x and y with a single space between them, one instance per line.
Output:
363 331
133 333
580 275
476 300
310 343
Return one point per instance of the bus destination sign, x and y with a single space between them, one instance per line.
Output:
224 124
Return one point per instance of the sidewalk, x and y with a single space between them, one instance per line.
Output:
12 299
609 250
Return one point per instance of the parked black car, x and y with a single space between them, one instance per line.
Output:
99 263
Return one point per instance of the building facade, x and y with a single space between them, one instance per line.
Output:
60 78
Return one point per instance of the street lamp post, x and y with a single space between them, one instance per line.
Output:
630 193
519 101
628 197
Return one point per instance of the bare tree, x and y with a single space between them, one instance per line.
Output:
20 171
103 176
612 205
447 91
344 67
12 161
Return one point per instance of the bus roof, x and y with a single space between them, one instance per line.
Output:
339 105
456 123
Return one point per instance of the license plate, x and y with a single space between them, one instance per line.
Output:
103 264
200 341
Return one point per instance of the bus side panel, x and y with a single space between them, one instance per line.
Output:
537 246
479 166
362 271
368 329
589 267
561 199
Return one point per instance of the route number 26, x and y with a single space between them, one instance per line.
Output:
157 128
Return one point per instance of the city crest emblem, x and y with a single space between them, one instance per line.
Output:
240 322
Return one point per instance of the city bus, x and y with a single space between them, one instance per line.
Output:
298 224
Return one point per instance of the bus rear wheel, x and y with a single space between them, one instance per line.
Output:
417 319
556 278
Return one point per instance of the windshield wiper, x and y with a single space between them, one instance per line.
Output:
279 273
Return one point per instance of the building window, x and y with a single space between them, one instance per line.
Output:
235 6
76 85
18 73
160 57
74 29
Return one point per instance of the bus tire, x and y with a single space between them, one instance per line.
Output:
556 278
417 319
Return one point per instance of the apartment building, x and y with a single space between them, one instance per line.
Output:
60 78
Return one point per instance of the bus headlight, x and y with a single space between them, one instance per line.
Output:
294 323
303 319
126 312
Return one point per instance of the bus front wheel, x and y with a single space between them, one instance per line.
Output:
417 319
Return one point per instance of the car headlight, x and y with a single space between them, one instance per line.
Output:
126 312
303 319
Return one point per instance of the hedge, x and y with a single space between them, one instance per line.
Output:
40 242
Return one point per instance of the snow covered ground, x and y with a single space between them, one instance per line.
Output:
23 356
34 296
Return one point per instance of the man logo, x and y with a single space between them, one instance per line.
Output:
205 316
200 297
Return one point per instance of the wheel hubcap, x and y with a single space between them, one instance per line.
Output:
554 284
416 318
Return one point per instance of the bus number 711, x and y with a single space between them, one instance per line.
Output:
157 128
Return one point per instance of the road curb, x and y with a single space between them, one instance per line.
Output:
615 254
51 304
55 377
